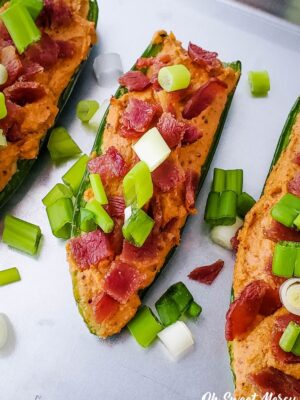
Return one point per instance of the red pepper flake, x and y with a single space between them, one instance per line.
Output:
208 273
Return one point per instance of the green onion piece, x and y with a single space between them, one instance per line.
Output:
296 222
3 109
3 141
33 6
259 82
181 295
289 337
137 185
211 209
74 175
227 208
60 216
286 210
174 77
144 327
10 275
219 180
297 263
234 180
194 310
21 235
86 109
57 192
138 227
61 145
101 216
3 74
20 26
284 258
98 188
244 204
296 348
87 220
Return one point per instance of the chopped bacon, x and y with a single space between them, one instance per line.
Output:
121 281
23 93
171 129
203 97
66 49
156 213
109 165
273 381
191 184
5 39
11 60
204 58
191 134
256 298
208 273
137 117
294 185
146 62
234 241
148 251
279 327
30 69
115 206
134 80
278 232
90 248
104 307
296 160
116 236
166 176
12 122
54 14
45 52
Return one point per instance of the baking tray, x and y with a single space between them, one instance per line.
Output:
51 354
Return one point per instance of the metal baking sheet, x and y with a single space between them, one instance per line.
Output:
51 354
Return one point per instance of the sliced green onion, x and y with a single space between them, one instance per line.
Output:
221 208
33 6
3 109
219 180
98 188
21 235
194 310
138 227
3 141
152 149
8 276
20 26
286 210
259 82
289 337
86 109
230 179
297 222
284 259
61 145
144 327
60 216
296 348
244 204
74 175
96 119
101 216
57 192
222 235
3 74
177 338
137 185
211 209
87 220
174 77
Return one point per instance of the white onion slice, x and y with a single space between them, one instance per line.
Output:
290 295
177 338
3 331
222 235
96 119
3 141
3 74
127 213
107 68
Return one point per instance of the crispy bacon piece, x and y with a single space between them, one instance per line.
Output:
5 39
156 213
122 281
294 185
279 327
30 69
134 80
109 165
66 49
256 298
191 184
116 236
191 134
115 206
171 129
166 176
22 93
45 52
146 62
278 232
271 380
54 14
204 58
148 251
104 307
208 273
296 160
11 60
203 97
12 122
137 117
234 241
90 248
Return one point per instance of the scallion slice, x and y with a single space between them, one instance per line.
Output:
57 192
101 216
61 145
33 6
3 140
98 188
285 257
289 337
230 179
296 348
8 276
144 327
74 175
244 204
86 109
194 310
3 74
219 180
138 227
96 119
87 220
177 338
60 216
259 82
286 210
21 235
3 109
137 185
174 77
221 208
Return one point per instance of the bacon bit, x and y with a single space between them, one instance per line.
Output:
11 123
115 206
279 327
45 52
65 49
208 273
5 39
234 241
278 232
191 134
30 69
166 176
54 14
10 59
109 165
204 58
122 281
191 184
203 97
148 251
272 381
116 236
134 80
294 185
171 129
296 160
90 248
104 307
137 117
156 213
256 298
146 62
23 93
